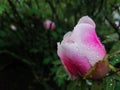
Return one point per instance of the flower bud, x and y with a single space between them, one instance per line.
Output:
81 50
98 71
49 25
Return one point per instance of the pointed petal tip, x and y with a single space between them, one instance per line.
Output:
86 19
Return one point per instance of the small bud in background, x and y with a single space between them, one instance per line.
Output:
49 25
13 27
117 23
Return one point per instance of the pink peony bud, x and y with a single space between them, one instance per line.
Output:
81 50
49 25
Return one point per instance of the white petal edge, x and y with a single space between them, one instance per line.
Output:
87 20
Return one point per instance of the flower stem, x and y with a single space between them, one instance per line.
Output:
112 68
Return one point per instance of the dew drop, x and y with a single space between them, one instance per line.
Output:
111 84
116 59
108 36
88 82
107 74
88 48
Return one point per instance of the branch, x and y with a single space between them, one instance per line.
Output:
53 9
112 24
18 57
16 14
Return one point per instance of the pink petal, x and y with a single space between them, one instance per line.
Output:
89 45
74 63
47 24
66 36
86 20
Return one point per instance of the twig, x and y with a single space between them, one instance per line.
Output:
112 73
16 12
116 52
111 23
53 9
18 57
100 8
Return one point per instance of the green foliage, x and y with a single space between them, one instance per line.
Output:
110 85
111 38
2 8
23 37
115 60
115 47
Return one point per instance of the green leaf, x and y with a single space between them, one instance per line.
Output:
34 50
109 83
57 62
111 38
96 86
61 76
73 85
2 8
115 59
47 60
116 77
54 35
79 84
115 47
3 34
61 72
117 86
83 85
3 43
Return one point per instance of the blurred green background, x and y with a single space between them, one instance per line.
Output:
28 52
